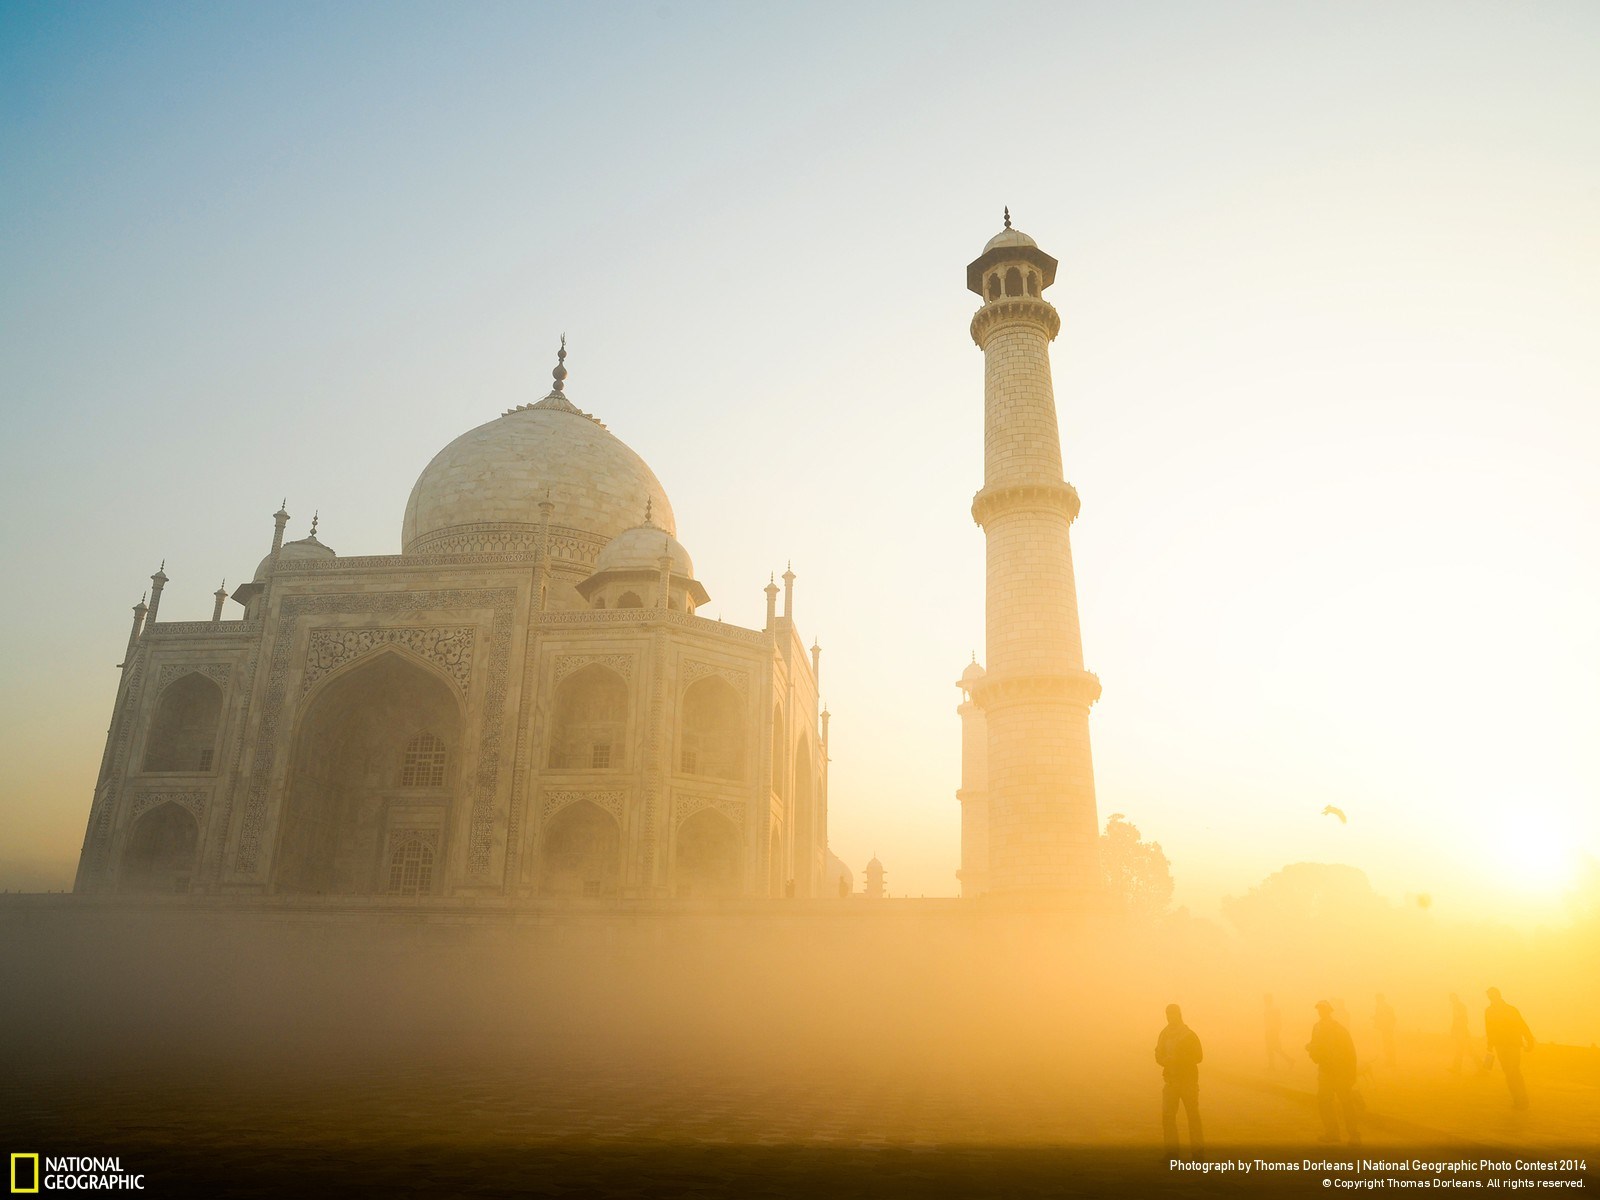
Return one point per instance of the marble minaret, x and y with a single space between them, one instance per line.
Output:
1035 694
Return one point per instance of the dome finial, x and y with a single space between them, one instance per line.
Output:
1008 216
649 501
560 373
315 513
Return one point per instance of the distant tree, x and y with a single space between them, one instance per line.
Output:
1137 874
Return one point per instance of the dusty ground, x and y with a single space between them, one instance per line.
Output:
248 1062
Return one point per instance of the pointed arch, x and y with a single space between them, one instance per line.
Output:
630 600
399 650
412 862
806 851
347 797
775 874
580 853
706 856
711 730
589 721
183 735
779 741
159 855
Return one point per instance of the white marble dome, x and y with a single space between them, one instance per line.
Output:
1008 238
640 549
297 551
482 491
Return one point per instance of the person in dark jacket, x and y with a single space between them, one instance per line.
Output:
1507 1033
1334 1052
1178 1051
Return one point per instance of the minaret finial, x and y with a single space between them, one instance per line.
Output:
315 513
560 373
1008 216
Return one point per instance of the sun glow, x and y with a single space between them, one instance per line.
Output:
1532 854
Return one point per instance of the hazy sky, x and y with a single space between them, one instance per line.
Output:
1328 377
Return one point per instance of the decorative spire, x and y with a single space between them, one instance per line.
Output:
1008 217
283 509
648 501
142 600
560 373
315 513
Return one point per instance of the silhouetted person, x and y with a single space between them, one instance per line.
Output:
1272 1023
1460 1039
1334 1053
1383 1018
1178 1051
1507 1033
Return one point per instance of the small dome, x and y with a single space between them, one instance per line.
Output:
972 674
839 877
306 548
640 549
1007 238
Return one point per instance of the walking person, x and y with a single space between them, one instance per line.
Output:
1507 1033
1178 1051
1332 1049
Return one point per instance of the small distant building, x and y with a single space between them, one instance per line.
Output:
873 889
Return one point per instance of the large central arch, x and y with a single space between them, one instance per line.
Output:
356 796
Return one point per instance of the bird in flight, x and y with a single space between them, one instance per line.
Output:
1331 811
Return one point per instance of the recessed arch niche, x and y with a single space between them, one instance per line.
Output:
349 805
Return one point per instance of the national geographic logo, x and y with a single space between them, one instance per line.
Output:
30 1173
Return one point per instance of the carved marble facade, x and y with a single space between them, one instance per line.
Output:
522 707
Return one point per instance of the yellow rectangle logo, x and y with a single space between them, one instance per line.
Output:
15 1159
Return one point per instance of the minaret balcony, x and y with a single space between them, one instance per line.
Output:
992 502
1012 309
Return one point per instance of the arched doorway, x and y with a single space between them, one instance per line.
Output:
778 739
589 722
183 736
580 853
706 862
376 758
807 857
160 852
711 738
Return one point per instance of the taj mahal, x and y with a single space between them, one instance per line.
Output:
523 706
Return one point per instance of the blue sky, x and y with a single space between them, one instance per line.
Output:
1327 378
